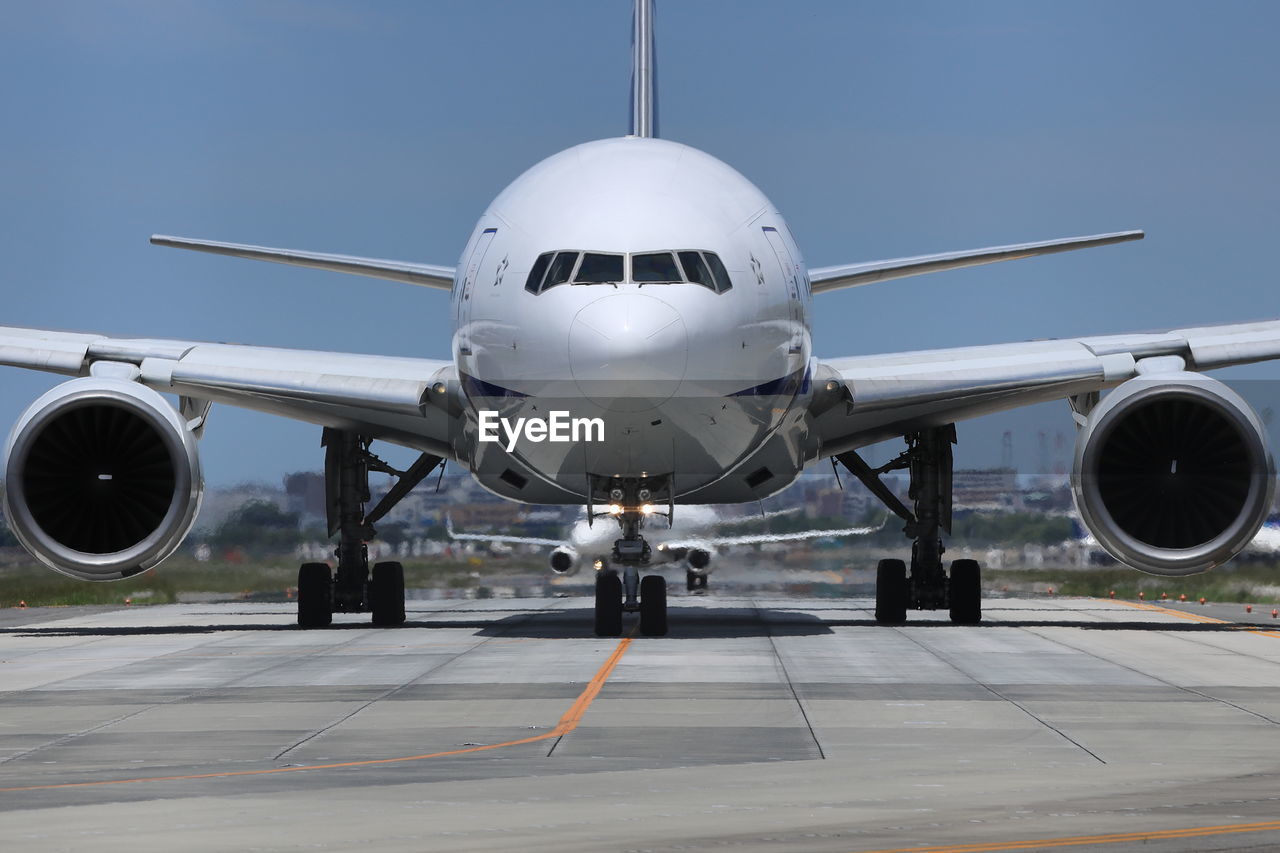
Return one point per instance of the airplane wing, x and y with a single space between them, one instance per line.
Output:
425 275
865 399
508 540
823 279
760 538
396 399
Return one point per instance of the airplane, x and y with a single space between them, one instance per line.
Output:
691 542
631 325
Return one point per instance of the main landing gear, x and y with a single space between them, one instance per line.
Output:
353 588
928 586
630 592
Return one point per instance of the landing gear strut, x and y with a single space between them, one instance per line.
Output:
631 592
351 588
928 460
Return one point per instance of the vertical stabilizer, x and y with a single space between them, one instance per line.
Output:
644 72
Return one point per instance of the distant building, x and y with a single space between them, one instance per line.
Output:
986 489
305 490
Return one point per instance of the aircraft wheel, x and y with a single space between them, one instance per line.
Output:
315 595
891 592
653 606
690 580
966 592
386 594
608 604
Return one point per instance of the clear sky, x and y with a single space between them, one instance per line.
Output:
879 129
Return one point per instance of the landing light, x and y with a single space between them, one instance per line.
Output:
614 509
647 509
598 565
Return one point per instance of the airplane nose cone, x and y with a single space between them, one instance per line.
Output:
628 351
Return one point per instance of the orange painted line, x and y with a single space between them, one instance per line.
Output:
567 723
1194 617
1084 840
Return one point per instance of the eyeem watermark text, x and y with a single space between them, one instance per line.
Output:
559 427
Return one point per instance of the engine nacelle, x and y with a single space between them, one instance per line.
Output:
699 560
1172 473
102 479
564 561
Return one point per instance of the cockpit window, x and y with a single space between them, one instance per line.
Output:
561 269
695 269
718 272
654 267
534 283
705 268
599 268
674 267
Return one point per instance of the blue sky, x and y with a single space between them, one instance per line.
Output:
879 129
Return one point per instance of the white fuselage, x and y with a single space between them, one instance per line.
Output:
689 382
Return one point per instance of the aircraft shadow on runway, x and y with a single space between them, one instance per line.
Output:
685 623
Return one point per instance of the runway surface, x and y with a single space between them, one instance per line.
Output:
758 724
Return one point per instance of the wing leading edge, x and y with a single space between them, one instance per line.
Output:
865 399
424 275
823 279
382 396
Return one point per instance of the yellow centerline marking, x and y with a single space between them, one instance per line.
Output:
1194 617
1082 840
568 722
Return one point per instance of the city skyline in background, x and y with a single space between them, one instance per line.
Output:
878 131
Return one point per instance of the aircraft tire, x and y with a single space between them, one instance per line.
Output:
608 604
891 592
315 595
653 606
966 592
690 580
386 594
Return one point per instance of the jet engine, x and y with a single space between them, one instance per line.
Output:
1172 473
564 561
699 560
103 479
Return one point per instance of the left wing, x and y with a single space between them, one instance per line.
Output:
425 275
404 400
865 399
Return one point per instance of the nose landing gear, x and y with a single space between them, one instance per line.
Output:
630 593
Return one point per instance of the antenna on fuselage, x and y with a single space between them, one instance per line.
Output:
644 72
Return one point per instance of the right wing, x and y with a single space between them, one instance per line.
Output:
410 273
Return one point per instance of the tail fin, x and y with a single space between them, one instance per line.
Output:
644 72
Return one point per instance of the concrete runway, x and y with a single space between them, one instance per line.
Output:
759 724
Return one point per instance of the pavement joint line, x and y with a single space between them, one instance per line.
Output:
1209 696
568 722
777 653
387 693
1023 708
574 715
71 736
1086 840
